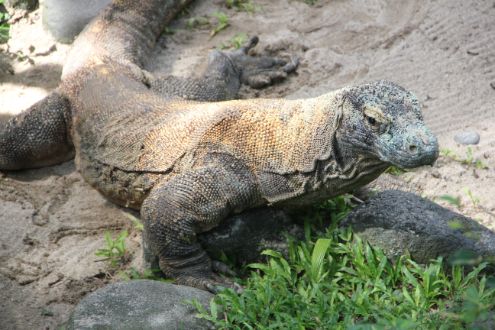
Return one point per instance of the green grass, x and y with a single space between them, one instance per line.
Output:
340 282
222 23
147 274
452 200
236 42
114 251
474 199
394 170
468 158
197 22
242 5
4 25
456 200
337 281
135 222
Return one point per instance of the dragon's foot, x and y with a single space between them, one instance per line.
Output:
221 268
261 71
203 275
212 282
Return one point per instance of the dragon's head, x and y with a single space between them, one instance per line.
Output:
384 120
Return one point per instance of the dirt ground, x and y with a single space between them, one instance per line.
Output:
52 222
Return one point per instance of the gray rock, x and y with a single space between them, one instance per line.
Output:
20 4
245 236
66 18
398 221
140 304
466 138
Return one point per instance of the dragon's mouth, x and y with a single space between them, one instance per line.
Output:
415 147
408 161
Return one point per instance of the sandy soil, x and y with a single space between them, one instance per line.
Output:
53 222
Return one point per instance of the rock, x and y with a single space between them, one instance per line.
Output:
245 236
66 18
466 138
139 304
20 4
398 221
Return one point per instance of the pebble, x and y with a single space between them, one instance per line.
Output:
467 137
436 174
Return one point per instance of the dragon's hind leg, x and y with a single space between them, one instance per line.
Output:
226 72
37 137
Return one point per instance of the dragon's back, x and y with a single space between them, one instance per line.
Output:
119 122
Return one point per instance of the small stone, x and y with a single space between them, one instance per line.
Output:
467 137
436 174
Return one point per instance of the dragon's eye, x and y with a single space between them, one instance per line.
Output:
371 120
374 116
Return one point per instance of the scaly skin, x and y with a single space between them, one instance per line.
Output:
160 145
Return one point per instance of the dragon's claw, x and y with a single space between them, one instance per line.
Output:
261 71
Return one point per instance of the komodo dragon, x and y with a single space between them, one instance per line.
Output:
160 145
